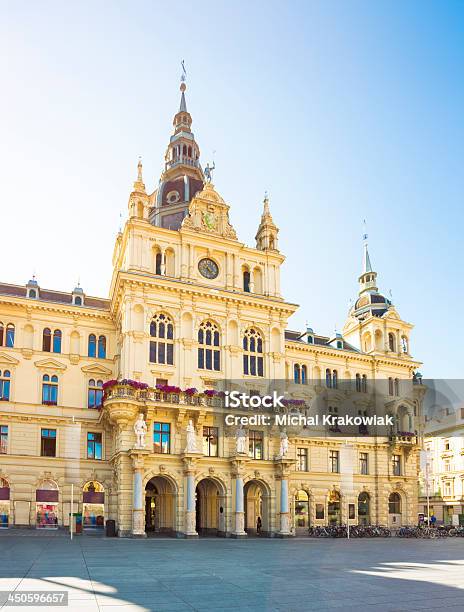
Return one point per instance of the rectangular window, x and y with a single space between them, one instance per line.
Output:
162 438
363 463
48 443
319 512
210 441
256 443
3 439
334 461
396 461
302 459
94 445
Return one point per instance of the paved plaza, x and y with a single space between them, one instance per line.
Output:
125 575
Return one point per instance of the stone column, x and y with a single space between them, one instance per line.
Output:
284 465
138 498
190 506
239 464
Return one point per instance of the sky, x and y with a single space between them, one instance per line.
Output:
341 110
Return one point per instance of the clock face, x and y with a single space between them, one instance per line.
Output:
208 268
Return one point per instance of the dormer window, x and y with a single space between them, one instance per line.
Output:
32 293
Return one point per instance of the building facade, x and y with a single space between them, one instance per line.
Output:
189 307
442 467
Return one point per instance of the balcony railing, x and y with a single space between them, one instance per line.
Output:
404 438
154 395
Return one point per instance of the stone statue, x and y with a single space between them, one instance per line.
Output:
240 440
283 445
140 429
191 439
208 172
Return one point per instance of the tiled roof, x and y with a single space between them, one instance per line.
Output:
56 297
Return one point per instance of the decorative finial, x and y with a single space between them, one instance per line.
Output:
365 235
139 170
183 77
266 203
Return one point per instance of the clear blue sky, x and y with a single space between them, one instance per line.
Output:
341 110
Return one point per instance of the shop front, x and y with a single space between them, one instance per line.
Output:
4 504
93 505
47 505
301 512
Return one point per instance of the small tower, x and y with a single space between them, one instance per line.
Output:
33 289
138 199
368 278
182 177
266 236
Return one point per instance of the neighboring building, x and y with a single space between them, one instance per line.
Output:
191 306
444 452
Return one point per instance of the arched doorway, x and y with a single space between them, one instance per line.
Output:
46 497
4 503
334 508
256 499
301 512
160 496
93 505
394 510
364 509
210 508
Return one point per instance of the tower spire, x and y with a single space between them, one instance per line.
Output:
139 184
368 278
266 236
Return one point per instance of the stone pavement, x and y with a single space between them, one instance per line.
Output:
124 575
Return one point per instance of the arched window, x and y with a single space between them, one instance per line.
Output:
335 379
5 380
102 347
404 344
57 341
364 383
158 261
296 373
391 341
253 362
10 334
162 349
92 348
304 374
2 331
49 390
246 281
358 383
397 387
95 394
391 390
328 379
394 503
47 340
209 354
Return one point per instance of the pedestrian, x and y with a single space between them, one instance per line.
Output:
433 520
258 525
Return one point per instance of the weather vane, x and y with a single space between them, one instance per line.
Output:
364 230
183 77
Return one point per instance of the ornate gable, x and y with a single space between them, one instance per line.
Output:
50 364
96 368
209 213
7 360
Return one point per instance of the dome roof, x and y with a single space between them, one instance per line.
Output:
372 303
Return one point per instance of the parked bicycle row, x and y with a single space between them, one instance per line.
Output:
356 531
430 532
379 531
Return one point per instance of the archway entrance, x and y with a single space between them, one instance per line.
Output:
364 509
210 508
394 510
301 513
46 498
160 498
256 499
334 508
